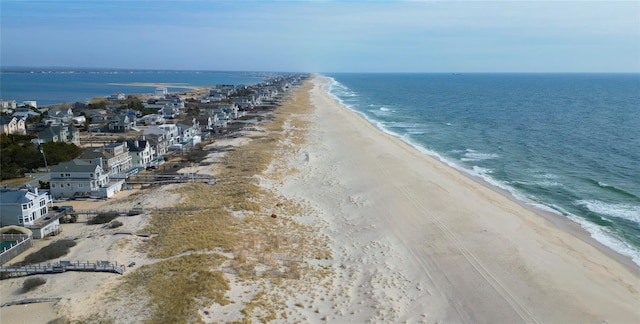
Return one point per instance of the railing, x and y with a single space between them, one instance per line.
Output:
63 266
23 243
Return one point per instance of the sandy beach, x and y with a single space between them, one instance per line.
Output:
411 240
428 243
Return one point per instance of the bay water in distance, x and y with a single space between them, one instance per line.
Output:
48 87
566 143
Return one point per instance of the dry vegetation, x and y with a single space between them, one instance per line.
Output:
244 231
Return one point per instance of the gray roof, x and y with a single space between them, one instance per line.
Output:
75 165
49 133
136 145
12 196
6 120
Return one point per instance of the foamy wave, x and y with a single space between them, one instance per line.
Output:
546 176
406 125
385 109
472 155
625 211
481 171
539 183
604 236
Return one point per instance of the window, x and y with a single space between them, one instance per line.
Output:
79 184
42 203
43 211
68 185
24 206
53 185
61 175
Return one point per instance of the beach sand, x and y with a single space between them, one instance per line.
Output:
412 240
418 240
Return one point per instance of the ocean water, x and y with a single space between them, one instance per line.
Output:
566 143
81 85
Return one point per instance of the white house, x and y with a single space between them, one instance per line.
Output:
5 105
116 96
28 208
161 92
31 103
22 207
170 132
82 178
188 132
114 158
142 154
152 119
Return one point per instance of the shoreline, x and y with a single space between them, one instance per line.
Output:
166 85
484 247
560 218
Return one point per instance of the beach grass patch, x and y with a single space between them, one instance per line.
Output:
32 283
52 251
179 286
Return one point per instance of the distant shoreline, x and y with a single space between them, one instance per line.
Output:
166 85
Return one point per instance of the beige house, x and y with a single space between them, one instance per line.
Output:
13 125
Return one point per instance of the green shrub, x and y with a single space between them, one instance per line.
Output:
52 251
115 224
102 218
32 283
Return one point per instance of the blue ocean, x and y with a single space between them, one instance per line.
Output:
60 86
566 143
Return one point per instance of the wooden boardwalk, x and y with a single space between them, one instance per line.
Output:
60 267
137 211
157 179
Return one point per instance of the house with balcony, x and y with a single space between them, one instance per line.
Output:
82 178
159 146
114 159
60 133
142 154
122 123
189 134
204 122
28 208
169 132
63 114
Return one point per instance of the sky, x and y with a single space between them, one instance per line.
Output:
323 36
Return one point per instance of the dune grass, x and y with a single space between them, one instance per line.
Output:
179 286
239 218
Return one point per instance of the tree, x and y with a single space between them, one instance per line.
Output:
57 152
19 155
